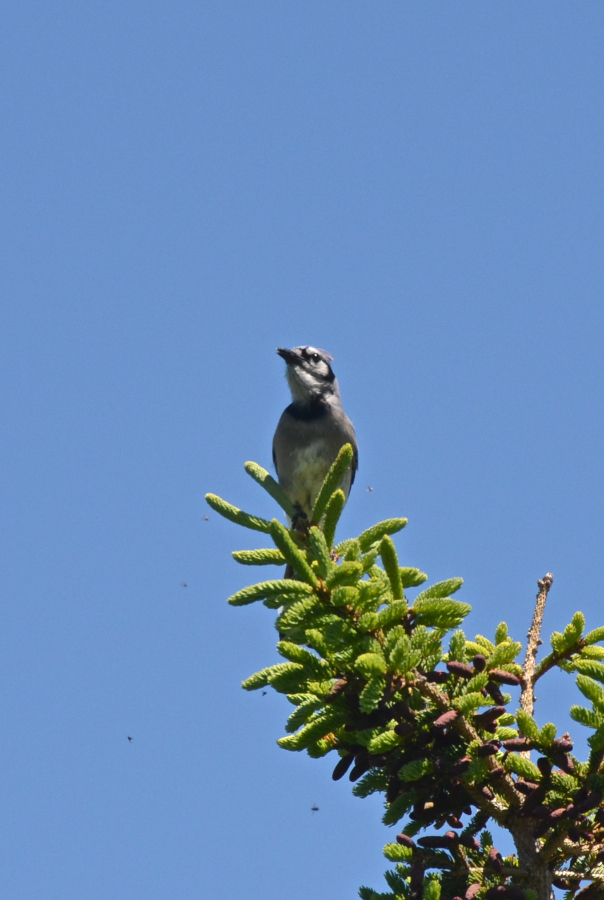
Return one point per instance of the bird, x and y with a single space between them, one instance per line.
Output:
311 431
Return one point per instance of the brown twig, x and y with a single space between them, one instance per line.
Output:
578 876
572 849
551 847
527 697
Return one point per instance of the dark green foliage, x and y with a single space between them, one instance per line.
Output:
417 712
527 725
375 781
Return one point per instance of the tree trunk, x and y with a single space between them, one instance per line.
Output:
539 874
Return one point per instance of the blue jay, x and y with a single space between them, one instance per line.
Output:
311 430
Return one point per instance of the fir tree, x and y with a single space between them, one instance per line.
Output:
413 709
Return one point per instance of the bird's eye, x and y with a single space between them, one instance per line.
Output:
315 357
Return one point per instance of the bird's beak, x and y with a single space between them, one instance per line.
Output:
288 355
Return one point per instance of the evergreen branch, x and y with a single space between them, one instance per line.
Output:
551 847
268 557
569 875
228 511
390 560
320 551
332 481
377 532
461 724
579 849
554 659
333 512
283 587
271 486
295 557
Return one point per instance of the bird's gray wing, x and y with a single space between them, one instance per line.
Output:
355 464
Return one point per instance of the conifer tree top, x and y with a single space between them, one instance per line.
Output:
412 708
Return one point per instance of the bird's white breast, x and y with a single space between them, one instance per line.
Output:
310 465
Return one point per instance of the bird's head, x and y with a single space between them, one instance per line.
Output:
309 374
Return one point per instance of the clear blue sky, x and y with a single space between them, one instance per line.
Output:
416 187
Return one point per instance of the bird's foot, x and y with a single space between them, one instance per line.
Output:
300 523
